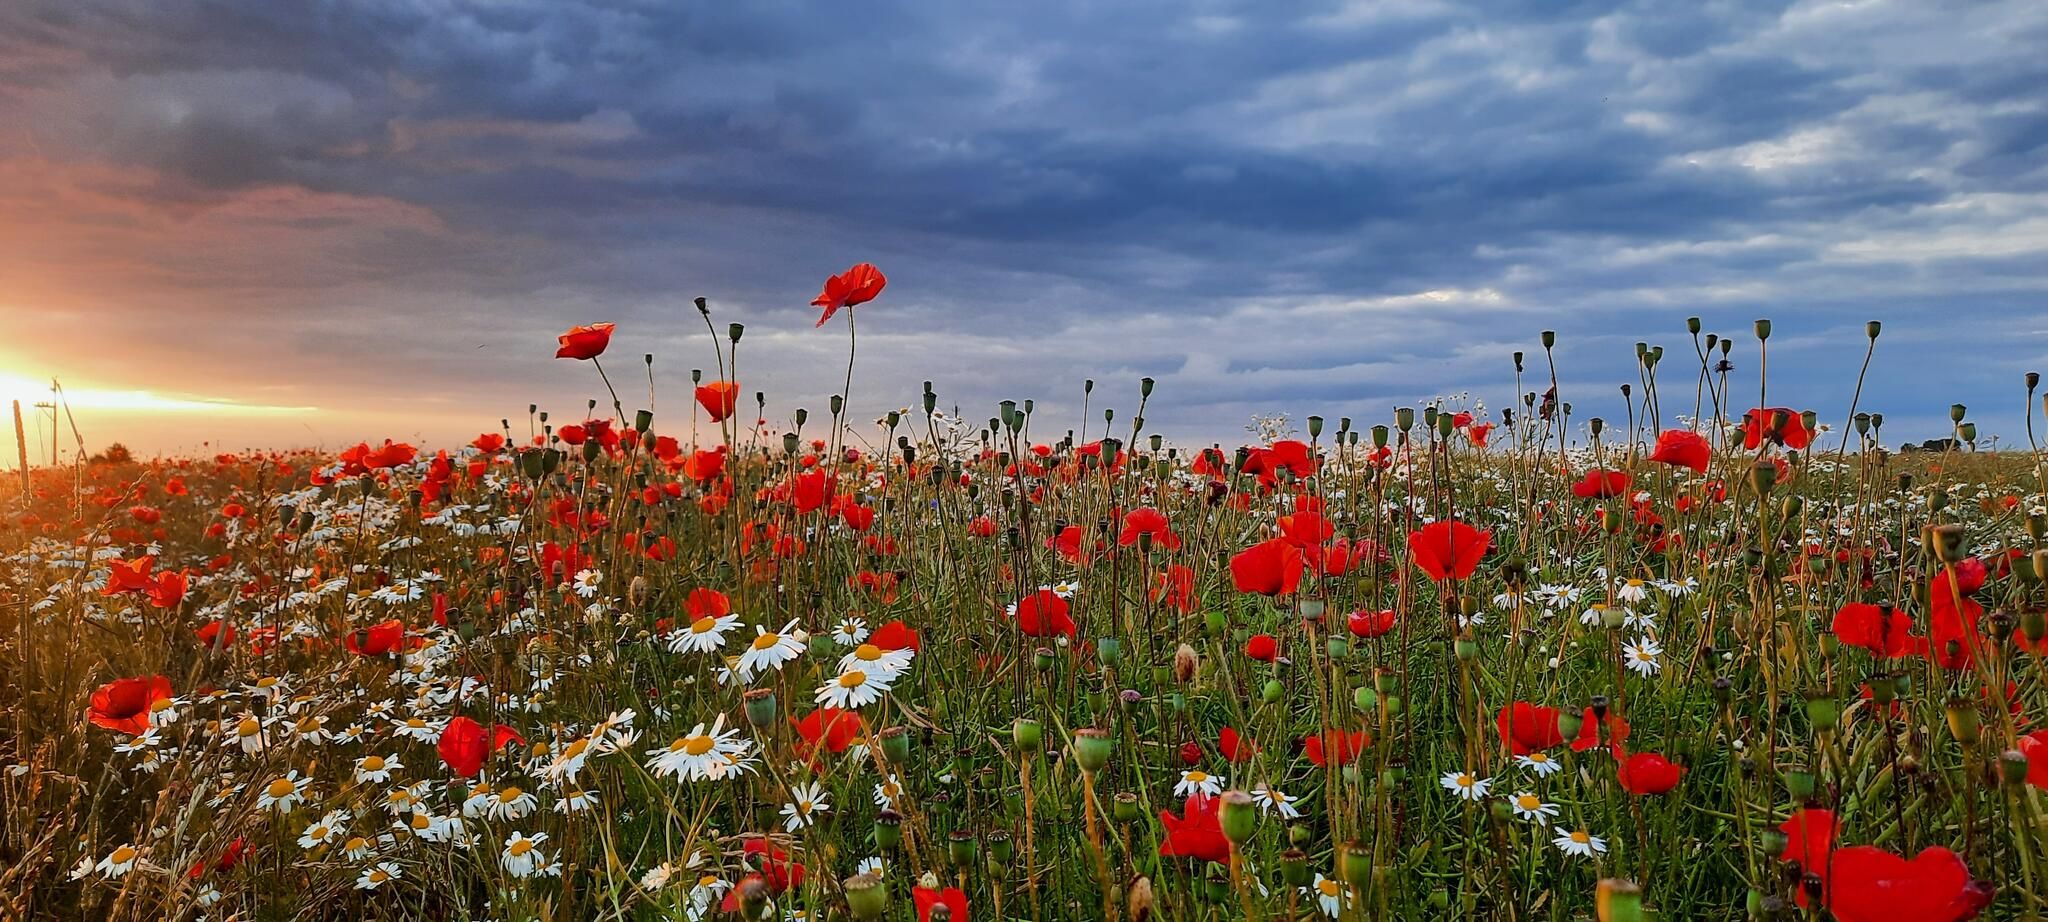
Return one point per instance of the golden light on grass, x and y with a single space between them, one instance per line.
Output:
31 391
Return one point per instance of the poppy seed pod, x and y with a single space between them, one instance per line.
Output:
1124 807
1763 329
1238 817
1294 867
1027 735
866 898
1404 418
1800 785
1823 713
1001 848
959 849
1092 748
1964 723
760 707
2012 768
1354 863
895 745
2033 625
1618 901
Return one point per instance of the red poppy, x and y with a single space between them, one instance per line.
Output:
1810 837
1238 748
1176 587
707 603
1146 520
1881 630
1341 745
1869 884
1369 624
1601 484
1044 614
2035 747
1589 733
982 527
719 398
1952 616
125 704
216 631
1528 728
1448 549
376 640
1288 455
168 589
828 726
587 342
1758 425
129 576
1648 773
1198 833
896 636
1270 567
857 285
1683 448
951 897
1262 647
463 746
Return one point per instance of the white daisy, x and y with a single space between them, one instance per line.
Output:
850 632
1195 781
1579 842
284 793
870 658
704 635
1541 763
576 800
1641 656
118 862
806 803
1332 896
770 650
1530 807
511 802
1632 590
522 855
1273 799
375 769
699 754
587 582
379 874
1465 785
854 688
329 827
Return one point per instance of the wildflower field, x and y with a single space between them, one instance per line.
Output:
1713 657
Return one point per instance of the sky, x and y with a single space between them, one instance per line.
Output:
243 222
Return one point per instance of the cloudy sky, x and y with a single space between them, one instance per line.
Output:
367 220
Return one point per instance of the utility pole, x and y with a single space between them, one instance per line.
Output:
21 447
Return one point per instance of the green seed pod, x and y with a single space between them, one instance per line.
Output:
761 707
888 829
1124 807
1272 691
1002 849
1027 735
1366 699
1823 713
960 847
1800 785
895 745
866 897
1354 864
1092 748
1763 329
2012 768
1964 723
1294 867
1238 816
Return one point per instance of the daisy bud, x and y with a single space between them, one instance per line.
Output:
1185 663
888 828
1964 723
1092 748
1124 807
1026 734
761 707
866 898
2012 767
895 745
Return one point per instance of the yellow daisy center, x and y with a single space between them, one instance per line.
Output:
281 787
703 625
853 679
122 855
373 763
520 848
766 641
694 745
868 652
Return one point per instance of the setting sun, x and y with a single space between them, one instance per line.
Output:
31 392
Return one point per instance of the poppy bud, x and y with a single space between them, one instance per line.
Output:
866 898
2012 767
1238 817
1185 663
1092 748
1569 722
1271 692
1763 330
1026 734
1124 807
895 745
760 706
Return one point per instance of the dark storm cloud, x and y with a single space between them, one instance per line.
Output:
1303 207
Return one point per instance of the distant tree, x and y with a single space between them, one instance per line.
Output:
116 453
